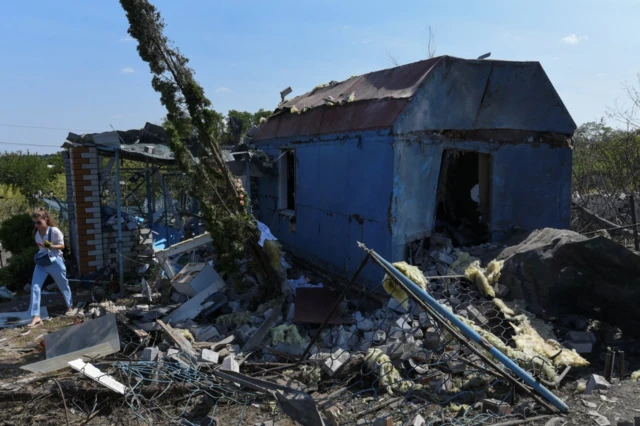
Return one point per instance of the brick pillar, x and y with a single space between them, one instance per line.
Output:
86 191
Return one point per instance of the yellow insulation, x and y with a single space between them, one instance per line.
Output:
635 376
389 378
475 274
411 272
287 334
272 249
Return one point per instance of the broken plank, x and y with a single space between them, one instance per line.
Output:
192 307
259 335
178 338
142 334
97 375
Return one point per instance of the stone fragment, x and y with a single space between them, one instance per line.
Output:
230 364
150 353
596 382
335 362
209 356
496 406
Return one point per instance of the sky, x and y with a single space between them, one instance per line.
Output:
70 65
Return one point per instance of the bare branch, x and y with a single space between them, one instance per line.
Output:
431 43
393 59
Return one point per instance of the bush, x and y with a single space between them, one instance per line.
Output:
16 233
19 270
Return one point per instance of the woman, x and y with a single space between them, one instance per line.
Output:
51 242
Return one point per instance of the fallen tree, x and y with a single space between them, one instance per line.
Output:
190 116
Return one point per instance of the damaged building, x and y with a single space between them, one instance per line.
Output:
475 149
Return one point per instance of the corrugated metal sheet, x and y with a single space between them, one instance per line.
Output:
397 83
379 98
455 94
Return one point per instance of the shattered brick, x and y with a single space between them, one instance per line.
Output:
336 361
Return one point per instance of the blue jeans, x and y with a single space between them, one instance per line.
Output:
59 273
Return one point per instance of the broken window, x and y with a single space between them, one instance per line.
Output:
287 193
464 196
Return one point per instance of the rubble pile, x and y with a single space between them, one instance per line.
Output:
328 357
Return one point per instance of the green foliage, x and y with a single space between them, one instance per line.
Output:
19 269
30 173
606 159
16 233
243 121
12 202
189 113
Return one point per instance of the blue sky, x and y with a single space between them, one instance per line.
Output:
70 64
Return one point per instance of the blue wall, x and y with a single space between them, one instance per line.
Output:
531 187
343 195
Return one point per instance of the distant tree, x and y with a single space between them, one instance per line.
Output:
239 122
25 171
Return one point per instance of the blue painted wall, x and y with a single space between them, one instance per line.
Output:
343 195
530 188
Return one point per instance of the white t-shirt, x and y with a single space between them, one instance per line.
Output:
56 239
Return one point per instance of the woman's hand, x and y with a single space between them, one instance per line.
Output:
47 244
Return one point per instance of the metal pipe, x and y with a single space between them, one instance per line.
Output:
495 369
471 334
608 365
119 219
620 364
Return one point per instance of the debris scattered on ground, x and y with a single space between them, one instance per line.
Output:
348 354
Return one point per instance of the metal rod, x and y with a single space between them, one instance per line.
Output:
522 421
636 238
608 365
497 371
335 306
612 229
469 332
119 219
620 364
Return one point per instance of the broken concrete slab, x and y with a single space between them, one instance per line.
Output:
206 333
150 353
208 356
92 339
19 319
230 364
596 382
336 361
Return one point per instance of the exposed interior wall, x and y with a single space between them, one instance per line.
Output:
530 186
343 191
416 166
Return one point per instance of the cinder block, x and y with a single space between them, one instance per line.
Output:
93 221
88 155
92 210
95 252
92 188
209 356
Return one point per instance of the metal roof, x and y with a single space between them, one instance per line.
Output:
445 93
370 101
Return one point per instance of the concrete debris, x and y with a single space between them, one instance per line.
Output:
230 364
150 353
386 344
596 382
209 356
599 418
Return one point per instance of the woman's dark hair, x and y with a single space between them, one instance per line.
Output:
43 214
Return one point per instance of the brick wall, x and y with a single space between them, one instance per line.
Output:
86 208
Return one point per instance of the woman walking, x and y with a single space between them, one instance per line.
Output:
48 261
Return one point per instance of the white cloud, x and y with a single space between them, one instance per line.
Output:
222 90
600 74
127 38
127 70
573 39
346 27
